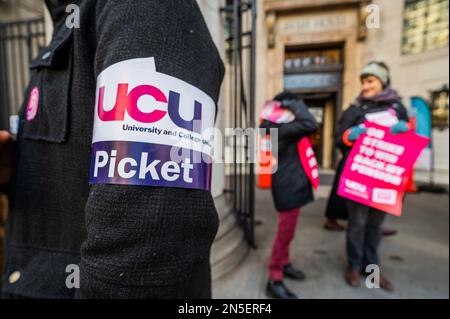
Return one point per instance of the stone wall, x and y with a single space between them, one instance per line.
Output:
11 10
412 75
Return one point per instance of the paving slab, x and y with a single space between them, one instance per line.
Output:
416 260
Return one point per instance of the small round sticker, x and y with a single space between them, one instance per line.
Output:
33 104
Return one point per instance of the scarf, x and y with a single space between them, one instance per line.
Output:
387 96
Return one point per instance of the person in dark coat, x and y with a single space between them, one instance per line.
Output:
336 208
291 189
129 240
364 229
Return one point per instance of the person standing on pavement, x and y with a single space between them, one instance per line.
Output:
291 190
132 234
336 208
364 229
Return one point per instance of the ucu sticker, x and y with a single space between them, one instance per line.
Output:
129 102
144 117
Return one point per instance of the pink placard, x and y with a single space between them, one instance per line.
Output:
273 112
309 161
378 167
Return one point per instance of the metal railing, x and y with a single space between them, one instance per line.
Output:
240 22
20 42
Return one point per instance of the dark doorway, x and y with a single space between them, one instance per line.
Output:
315 74
323 107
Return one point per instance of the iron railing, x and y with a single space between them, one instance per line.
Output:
20 42
240 23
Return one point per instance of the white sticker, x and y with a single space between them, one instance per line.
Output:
14 124
384 196
385 118
141 116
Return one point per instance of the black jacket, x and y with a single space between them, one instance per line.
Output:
354 116
291 187
130 241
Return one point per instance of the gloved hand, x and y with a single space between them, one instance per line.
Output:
400 127
286 99
355 132
287 103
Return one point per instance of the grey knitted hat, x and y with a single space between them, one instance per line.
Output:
376 70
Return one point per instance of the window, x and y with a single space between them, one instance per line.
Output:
439 108
313 69
299 61
425 25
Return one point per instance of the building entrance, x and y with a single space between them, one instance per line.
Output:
315 75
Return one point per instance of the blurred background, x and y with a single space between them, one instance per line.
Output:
314 48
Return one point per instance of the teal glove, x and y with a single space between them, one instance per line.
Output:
355 132
400 127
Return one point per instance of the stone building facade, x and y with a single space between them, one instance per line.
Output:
316 48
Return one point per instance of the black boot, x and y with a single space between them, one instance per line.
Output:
277 289
292 273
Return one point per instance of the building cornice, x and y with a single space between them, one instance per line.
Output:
287 6
276 8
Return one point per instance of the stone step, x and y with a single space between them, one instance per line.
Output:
233 260
227 223
225 246
229 247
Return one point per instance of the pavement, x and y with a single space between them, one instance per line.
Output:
416 260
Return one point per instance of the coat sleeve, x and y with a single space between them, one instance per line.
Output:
402 112
348 120
266 125
146 242
304 124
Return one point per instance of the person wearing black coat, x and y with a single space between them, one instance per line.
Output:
291 189
128 241
364 229
336 208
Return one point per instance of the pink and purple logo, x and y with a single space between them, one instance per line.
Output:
33 104
129 102
151 129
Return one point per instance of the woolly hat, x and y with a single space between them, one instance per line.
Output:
377 70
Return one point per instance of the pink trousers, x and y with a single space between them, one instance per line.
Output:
287 224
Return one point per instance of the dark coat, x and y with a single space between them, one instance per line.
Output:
337 205
354 116
130 241
291 187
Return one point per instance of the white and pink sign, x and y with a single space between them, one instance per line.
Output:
273 112
378 168
309 161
